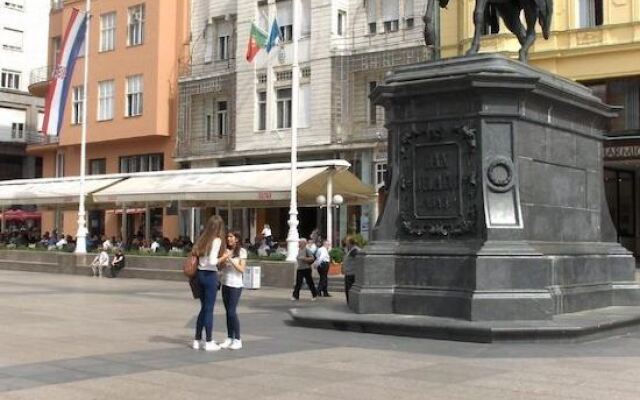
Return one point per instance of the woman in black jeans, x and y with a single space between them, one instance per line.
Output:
211 253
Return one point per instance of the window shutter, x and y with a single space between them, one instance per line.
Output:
208 53
408 8
372 13
390 10
285 13
304 106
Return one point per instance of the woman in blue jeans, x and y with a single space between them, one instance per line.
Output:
232 289
211 253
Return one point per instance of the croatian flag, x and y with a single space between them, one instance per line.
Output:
62 73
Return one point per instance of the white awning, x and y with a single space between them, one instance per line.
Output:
249 186
55 191
266 185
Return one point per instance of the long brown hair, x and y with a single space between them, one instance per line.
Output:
212 230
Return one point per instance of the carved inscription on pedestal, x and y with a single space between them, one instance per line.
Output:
436 181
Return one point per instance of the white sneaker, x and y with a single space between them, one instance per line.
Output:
226 343
211 346
196 345
236 344
293 299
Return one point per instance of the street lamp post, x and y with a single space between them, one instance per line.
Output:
81 236
330 201
294 237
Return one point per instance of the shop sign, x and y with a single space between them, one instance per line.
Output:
622 152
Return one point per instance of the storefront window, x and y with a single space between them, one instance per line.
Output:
620 191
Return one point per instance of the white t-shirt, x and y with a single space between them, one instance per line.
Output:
266 232
230 275
155 246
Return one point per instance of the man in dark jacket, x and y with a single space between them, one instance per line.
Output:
348 265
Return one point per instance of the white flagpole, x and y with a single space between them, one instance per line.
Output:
81 241
294 237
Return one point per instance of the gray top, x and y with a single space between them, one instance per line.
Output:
302 264
348 263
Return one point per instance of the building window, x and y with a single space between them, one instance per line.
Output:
10 79
284 108
626 93
208 122
620 192
107 31
590 13
17 5
77 105
134 96
285 20
98 166
391 15
342 21
135 34
372 16
381 171
17 130
409 14
373 109
59 165
12 39
142 163
262 111
222 117
223 47
105 100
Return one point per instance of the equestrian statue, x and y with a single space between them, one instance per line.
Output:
488 11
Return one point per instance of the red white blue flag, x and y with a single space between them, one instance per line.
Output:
63 72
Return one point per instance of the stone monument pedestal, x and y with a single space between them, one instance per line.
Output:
496 206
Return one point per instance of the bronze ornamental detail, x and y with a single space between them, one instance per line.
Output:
438 182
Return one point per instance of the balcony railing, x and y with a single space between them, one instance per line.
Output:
39 138
202 147
40 75
219 67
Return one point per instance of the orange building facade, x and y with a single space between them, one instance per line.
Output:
134 51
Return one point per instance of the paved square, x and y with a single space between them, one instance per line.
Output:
71 337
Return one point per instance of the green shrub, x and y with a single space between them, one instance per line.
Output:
336 254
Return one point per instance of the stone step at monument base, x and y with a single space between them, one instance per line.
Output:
574 327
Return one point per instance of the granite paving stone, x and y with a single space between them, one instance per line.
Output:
131 341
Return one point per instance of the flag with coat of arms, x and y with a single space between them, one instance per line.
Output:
63 72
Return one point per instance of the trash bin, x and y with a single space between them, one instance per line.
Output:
251 277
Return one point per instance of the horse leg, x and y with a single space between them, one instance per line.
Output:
531 16
510 14
478 21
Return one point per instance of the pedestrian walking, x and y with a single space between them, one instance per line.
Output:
211 253
303 271
100 262
348 265
118 263
232 289
322 265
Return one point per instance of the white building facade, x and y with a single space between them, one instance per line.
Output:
233 112
23 47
